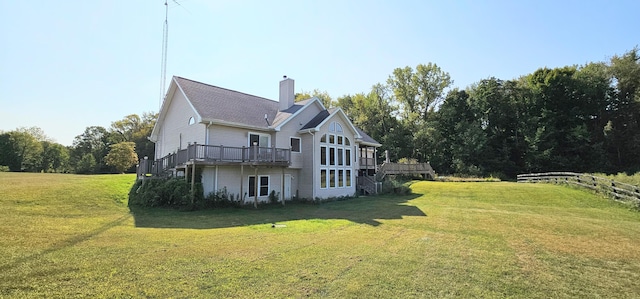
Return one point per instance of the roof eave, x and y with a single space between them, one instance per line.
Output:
235 125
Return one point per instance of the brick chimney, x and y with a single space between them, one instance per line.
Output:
287 94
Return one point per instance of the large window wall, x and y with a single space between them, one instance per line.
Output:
335 158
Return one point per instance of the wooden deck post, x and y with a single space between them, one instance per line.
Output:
255 189
242 183
193 182
282 187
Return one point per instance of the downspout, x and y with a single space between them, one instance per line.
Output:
206 134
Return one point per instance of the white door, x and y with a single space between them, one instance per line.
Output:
287 187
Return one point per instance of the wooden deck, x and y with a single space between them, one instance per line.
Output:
199 154
423 169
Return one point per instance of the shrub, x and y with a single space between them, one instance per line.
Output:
4 168
222 199
174 193
395 186
273 198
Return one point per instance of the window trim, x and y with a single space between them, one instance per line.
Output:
299 144
259 135
259 185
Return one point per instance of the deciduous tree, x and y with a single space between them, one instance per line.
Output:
122 156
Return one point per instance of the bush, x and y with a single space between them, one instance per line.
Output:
174 193
395 186
222 199
4 168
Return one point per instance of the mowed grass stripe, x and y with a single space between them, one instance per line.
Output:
74 236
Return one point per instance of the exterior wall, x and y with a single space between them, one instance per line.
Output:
176 133
229 136
229 177
290 129
306 180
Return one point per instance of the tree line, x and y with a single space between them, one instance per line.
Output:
582 118
96 150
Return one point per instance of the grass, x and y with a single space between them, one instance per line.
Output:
623 178
74 236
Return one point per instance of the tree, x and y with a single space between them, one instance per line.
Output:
623 128
324 97
134 128
86 164
9 154
94 141
55 157
122 156
417 95
419 92
24 146
374 113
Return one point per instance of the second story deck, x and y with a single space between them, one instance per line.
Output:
200 154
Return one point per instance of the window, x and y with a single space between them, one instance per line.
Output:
335 158
323 178
263 185
335 127
332 155
295 144
347 155
192 120
332 178
261 140
323 155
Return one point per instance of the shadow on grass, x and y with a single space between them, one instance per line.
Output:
366 210
64 244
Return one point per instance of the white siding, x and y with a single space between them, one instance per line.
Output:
307 171
229 178
176 133
229 136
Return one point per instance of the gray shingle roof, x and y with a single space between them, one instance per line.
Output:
316 120
221 104
366 138
216 103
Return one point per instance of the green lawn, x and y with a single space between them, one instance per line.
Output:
73 236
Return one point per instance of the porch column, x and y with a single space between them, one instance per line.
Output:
282 187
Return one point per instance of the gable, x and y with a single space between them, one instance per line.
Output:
175 106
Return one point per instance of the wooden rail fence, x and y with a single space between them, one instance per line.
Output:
617 190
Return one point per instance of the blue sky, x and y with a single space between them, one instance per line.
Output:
67 65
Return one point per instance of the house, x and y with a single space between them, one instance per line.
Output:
252 146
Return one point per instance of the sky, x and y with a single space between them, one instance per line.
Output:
67 65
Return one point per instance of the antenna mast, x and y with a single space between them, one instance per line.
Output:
163 66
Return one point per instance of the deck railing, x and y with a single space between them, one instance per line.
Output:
406 169
216 154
